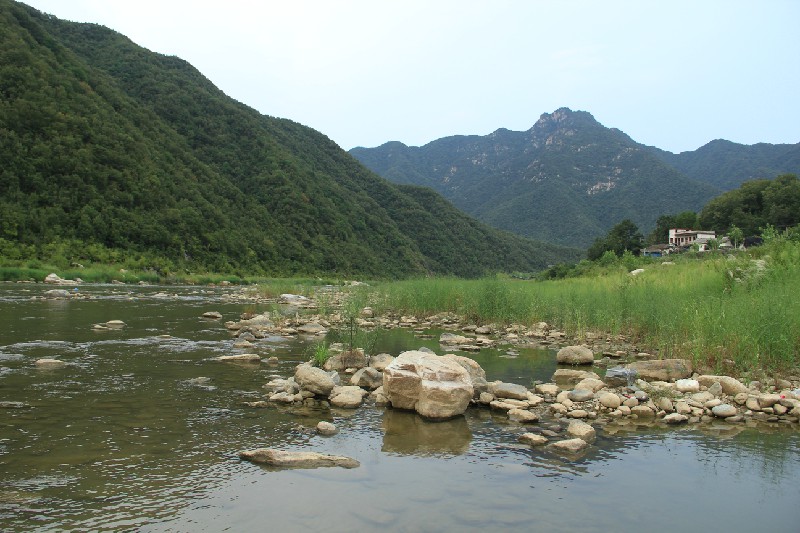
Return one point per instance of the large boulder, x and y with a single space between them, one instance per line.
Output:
435 387
620 377
575 355
314 379
663 369
285 459
476 373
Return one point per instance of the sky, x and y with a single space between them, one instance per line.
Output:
673 74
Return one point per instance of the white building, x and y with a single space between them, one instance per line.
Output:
686 237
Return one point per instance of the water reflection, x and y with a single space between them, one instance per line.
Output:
407 433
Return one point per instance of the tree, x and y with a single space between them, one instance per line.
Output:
736 235
623 236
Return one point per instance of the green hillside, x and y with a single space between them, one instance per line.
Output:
567 180
107 146
727 165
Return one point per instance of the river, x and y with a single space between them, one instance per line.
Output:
142 427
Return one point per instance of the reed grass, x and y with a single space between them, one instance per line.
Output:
722 312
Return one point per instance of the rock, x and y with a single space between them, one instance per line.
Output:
483 330
347 359
240 358
582 430
57 293
572 376
642 411
282 397
569 446
293 299
663 369
50 363
523 416
609 400
675 418
715 388
508 390
590 384
314 379
451 339
620 377
578 413
533 439
380 361
548 389
580 395
312 328
730 386
435 387
636 272
285 459
368 378
486 398
326 428
768 400
118 324
665 404
575 355
215 315
687 385
349 397
55 279
13 405
724 411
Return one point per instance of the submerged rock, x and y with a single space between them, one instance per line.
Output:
214 315
279 458
240 358
50 363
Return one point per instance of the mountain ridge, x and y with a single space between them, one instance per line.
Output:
567 179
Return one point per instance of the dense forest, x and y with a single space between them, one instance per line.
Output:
110 151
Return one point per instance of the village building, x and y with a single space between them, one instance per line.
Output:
687 237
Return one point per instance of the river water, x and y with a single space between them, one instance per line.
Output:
141 431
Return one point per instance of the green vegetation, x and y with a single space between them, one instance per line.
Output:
754 206
113 154
729 313
320 353
624 237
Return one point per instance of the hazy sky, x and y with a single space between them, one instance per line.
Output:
673 74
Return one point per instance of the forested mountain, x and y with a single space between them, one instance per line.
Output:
727 165
568 179
107 144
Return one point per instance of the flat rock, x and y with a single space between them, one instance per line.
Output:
533 439
240 358
572 376
569 446
284 459
663 369
508 390
349 397
730 386
620 377
215 315
522 416
50 363
687 385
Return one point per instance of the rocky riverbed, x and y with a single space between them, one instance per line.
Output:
599 384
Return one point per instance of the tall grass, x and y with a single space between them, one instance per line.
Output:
721 312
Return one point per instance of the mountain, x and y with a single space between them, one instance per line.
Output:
112 151
567 180
727 165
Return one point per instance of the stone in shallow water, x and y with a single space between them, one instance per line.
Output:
724 411
240 358
575 355
569 446
675 418
50 363
582 430
326 428
286 459
533 439
580 395
523 416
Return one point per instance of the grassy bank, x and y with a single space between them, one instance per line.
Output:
728 313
